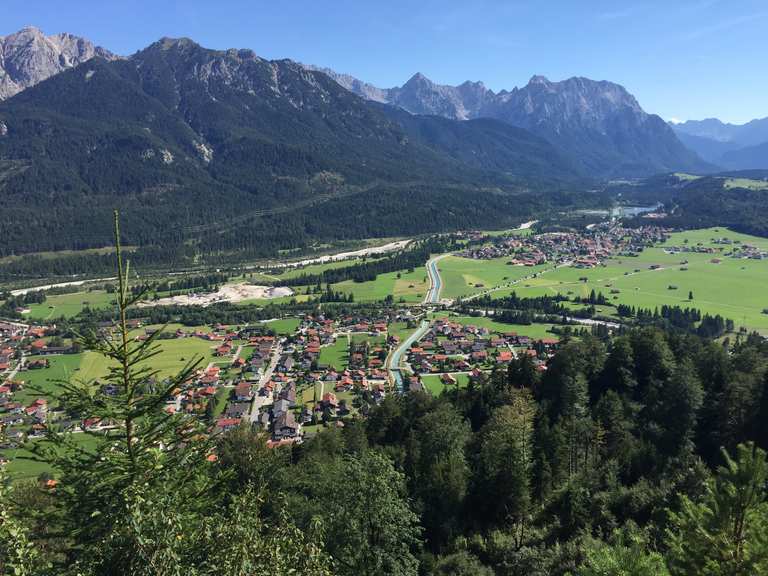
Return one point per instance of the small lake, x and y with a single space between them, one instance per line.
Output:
622 211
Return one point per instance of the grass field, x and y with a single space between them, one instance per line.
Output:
293 272
90 365
373 341
435 386
410 287
508 231
465 276
733 288
319 388
279 300
69 305
309 393
19 468
283 326
176 353
748 183
536 331
400 329
45 381
336 354
222 396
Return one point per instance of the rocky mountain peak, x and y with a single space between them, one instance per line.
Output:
597 122
419 78
538 79
29 56
168 43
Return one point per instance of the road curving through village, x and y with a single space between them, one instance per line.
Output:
393 364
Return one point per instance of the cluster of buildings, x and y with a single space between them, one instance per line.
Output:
286 386
283 385
451 347
24 413
21 415
585 249
723 247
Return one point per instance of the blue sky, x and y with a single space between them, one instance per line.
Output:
682 58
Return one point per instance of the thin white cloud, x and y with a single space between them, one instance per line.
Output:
724 25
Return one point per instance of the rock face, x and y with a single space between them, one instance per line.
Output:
599 123
422 96
29 56
367 91
419 95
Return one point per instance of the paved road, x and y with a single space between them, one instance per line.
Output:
19 365
396 356
436 283
23 291
258 400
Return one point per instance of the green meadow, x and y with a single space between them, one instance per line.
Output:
733 288
400 329
373 341
174 355
748 183
410 287
69 305
309 393
535 331
21 467
45 381
466 276
435 386
335 354
299 297
295 271
283 326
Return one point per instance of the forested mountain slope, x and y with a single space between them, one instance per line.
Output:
206 148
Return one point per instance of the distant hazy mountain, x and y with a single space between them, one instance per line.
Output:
599 124
709 149
747 158
732 146
28 57
420 95
207 145
749 134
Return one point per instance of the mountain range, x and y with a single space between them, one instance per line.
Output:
201 149
732 146
597 123
205 146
